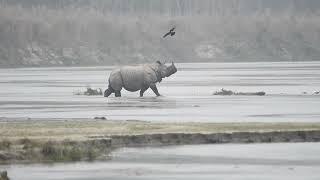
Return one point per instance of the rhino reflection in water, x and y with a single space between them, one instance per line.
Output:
141 77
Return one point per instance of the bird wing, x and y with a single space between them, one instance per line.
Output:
166 34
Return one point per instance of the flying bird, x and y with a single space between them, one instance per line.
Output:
171 32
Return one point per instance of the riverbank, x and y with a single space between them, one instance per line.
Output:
44 140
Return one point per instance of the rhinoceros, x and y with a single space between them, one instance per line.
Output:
140 77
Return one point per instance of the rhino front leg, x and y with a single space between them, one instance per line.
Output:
117 93
143 90
154 89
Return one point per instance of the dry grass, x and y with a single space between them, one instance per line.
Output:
67 140
81 129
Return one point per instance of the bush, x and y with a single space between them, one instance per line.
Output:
5 145
74 154
49 151
27 144
92 154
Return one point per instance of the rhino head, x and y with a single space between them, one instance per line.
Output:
166 71
161 69
171 70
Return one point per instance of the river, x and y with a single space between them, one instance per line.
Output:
187 95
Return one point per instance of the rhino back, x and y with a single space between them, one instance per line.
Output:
132 77
149 74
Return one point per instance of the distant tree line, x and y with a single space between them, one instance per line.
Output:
176 7
98 32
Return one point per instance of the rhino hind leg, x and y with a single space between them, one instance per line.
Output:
108 91
117 93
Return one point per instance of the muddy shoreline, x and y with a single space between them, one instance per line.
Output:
88 140
214 138
99 147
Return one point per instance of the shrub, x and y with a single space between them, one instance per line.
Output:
74 154
5 145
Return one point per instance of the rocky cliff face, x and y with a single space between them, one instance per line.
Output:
76 32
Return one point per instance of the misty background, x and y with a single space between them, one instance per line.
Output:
107 32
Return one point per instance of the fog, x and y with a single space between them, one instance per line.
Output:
113 32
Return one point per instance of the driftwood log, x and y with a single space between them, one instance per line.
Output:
224 92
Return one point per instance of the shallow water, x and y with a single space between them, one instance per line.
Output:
202 162
187 95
